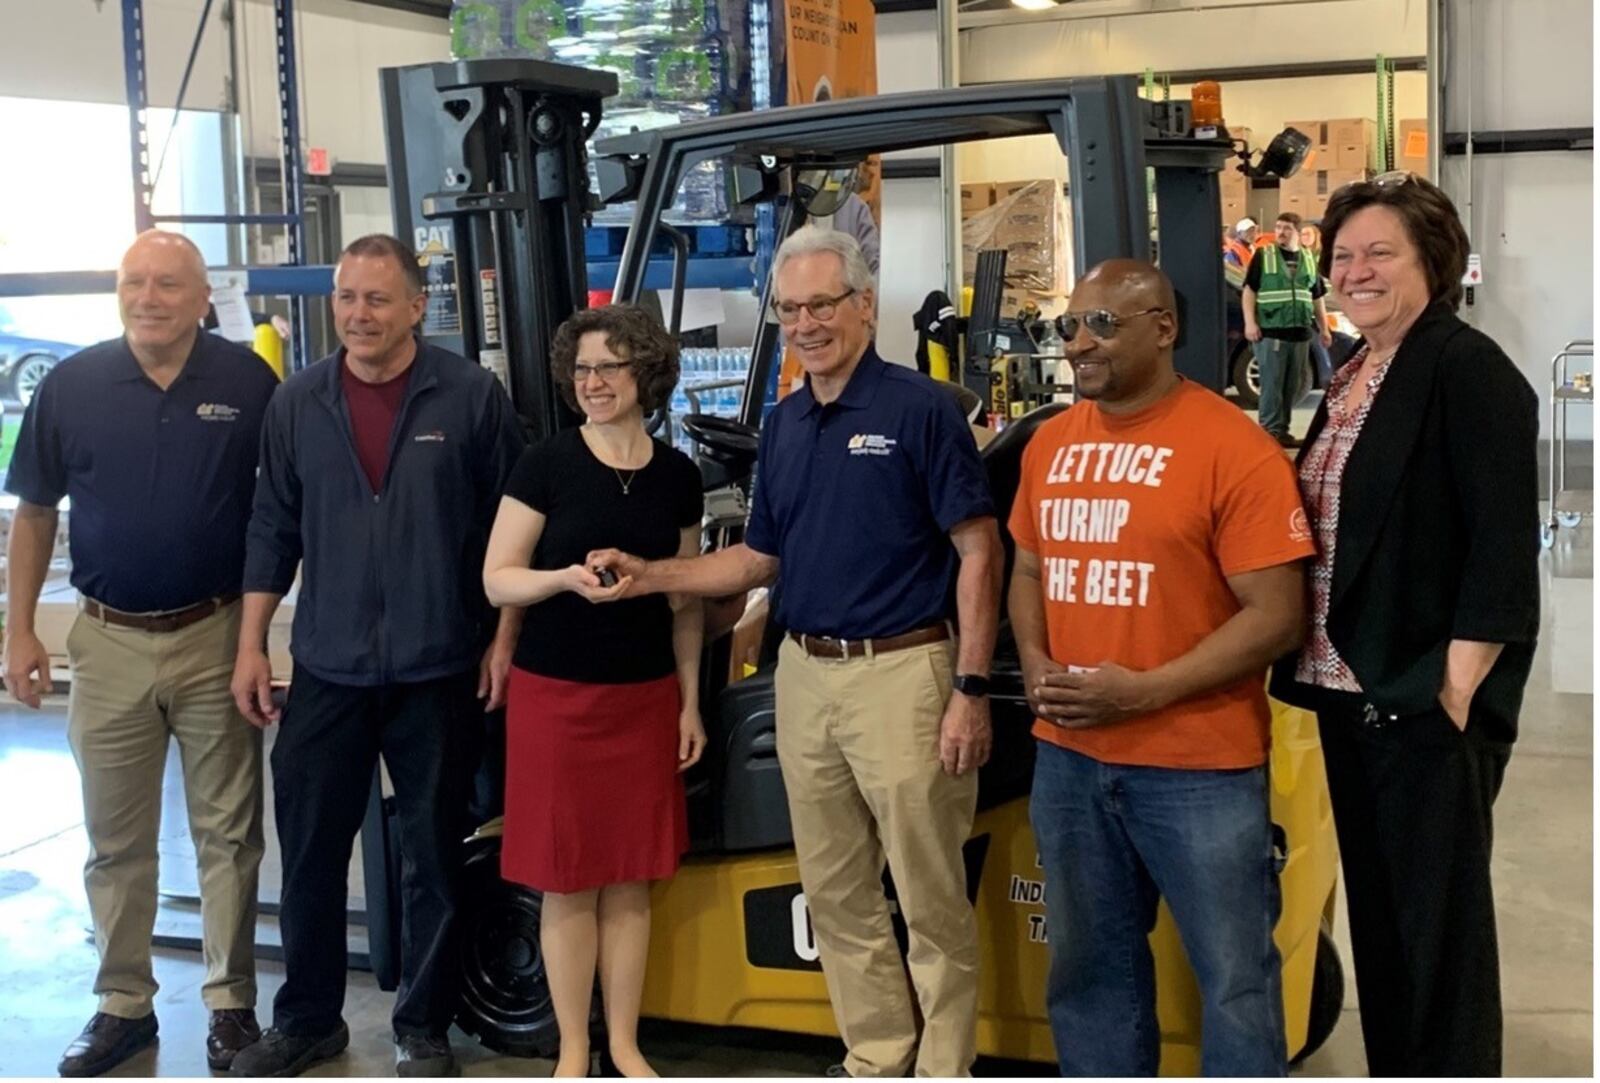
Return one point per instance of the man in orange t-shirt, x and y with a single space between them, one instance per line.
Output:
1160 547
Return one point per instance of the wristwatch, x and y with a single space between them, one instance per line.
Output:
970 684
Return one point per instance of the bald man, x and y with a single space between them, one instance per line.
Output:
154 436
1160 569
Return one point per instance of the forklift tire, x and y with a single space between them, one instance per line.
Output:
1327 995
505 999
1246 386
1245 378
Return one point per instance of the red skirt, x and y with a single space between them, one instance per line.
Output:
593 793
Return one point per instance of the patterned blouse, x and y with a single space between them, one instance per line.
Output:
1321 475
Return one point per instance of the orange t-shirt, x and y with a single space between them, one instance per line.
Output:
1137 522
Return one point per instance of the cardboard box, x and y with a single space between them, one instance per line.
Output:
975 197
1234 184
1354 142
1339 143
1233 210
1308 205
1411 147
1012 300
1307 192
1048 186
1029 221
1315 131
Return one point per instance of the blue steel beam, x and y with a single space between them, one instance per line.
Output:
704 272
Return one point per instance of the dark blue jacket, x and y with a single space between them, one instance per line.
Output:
392 589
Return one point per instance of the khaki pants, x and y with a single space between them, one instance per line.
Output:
131 691
858 742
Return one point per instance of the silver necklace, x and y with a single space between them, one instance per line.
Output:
626 483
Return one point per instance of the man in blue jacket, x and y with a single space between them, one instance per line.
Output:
381 469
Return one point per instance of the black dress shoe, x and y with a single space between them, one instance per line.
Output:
280 1054
106 1042
231 1030
422 1056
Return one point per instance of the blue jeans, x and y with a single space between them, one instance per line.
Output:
1115 840
1282 365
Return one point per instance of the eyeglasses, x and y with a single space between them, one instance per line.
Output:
1101 323
606 370
823 308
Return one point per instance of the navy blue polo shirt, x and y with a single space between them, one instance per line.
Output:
857 498
161 481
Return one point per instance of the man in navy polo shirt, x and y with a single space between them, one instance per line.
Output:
871 510
154 436
381 470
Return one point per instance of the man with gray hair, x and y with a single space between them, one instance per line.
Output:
883 715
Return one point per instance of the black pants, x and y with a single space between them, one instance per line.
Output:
1413 800
322 766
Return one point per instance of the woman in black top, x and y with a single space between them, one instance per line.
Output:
603 710
1421 488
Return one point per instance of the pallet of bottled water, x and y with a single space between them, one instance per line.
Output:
710 381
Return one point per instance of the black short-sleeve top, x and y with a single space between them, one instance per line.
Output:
588 505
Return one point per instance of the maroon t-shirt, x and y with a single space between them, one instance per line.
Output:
374 408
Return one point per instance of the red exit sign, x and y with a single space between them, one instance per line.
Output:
318 163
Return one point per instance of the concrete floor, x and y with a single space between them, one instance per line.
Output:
1543 869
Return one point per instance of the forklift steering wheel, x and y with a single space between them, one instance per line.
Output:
653 423
726 440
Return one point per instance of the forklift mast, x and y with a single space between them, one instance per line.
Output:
488 180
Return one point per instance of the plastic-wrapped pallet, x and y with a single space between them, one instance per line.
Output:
1030 223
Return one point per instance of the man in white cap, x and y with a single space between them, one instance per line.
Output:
1240 245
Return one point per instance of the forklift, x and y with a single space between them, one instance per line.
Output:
490 179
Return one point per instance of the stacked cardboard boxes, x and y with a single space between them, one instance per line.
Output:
1343 150
1235 186
1345 143
1307 192
1029 220
976 197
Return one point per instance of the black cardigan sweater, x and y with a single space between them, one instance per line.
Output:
1438 535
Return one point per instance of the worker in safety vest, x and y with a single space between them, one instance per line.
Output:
1283 308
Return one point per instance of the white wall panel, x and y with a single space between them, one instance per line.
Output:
1198 38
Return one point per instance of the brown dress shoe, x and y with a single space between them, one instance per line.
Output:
106 1042
231 1030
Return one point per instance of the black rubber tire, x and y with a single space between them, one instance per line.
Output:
1327 995
1246 394
505 999
1239 376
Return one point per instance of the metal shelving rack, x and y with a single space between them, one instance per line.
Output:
1568 507
293 218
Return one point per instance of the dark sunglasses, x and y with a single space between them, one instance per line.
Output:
1101 323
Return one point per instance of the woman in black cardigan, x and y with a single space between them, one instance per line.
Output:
1420 485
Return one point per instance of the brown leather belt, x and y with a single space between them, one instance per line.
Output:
158 622
829 647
